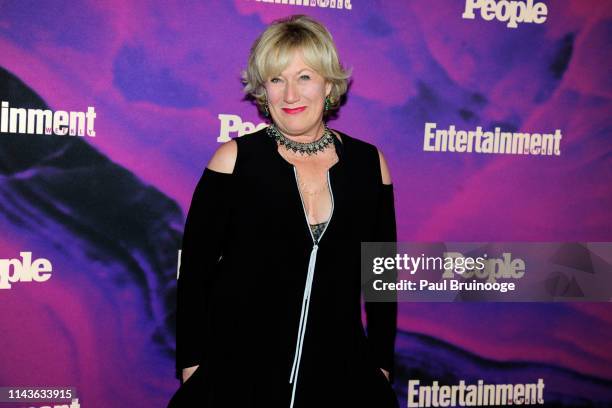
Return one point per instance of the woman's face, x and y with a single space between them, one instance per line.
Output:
296 98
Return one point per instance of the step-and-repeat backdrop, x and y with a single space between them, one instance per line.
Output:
494 117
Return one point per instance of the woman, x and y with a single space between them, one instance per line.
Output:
269 311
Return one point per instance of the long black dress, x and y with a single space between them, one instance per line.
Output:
244 279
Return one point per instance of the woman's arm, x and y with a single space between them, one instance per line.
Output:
188 372
382 316
384 169
224 159
201 251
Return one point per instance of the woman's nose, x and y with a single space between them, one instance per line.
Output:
291 93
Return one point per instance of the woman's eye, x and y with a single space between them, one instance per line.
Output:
275 80
306 77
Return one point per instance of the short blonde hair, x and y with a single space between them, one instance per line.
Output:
273 49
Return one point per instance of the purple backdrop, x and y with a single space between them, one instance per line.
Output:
108 211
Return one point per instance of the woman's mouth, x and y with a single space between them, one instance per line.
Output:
292 111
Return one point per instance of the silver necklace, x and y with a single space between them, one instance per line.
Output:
304 148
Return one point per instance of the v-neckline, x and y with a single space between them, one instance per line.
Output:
315 241
329 173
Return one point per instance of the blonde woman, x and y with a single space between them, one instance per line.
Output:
269 311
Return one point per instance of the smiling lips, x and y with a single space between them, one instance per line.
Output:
294 110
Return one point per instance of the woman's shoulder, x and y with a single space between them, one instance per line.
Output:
357 146
254 143
225 157
366 152
252 139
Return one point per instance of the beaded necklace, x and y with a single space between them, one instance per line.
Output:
304 148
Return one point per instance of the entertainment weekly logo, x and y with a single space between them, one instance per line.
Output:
234 125
482 141
335 4
512 12
46 121
24 270
480 394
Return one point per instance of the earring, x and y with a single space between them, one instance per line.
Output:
327 104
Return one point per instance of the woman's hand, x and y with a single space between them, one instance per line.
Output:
188 372
386 373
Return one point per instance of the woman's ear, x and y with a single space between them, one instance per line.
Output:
328 88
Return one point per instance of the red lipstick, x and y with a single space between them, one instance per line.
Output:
294 110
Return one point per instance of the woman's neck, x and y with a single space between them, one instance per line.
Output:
310 136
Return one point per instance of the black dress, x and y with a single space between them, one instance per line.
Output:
244 290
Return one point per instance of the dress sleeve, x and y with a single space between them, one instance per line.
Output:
381 317
202 245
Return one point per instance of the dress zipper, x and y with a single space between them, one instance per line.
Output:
307 287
